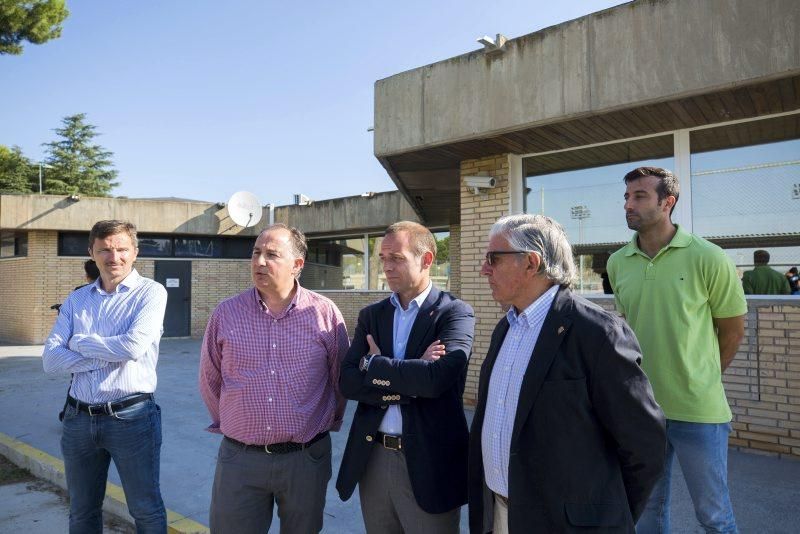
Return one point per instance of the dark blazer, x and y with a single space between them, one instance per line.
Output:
588 440
435 433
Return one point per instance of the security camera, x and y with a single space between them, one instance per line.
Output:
479 182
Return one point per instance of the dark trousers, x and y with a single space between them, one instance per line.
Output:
388 504
248 482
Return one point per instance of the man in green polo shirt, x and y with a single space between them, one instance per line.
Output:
763 279
682 298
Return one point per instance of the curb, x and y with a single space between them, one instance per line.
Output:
51 469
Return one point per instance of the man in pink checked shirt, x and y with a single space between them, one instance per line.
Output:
269 373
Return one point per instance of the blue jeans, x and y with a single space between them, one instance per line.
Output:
702 450
132 438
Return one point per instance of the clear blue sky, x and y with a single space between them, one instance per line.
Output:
198 99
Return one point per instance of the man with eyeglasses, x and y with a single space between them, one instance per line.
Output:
566 436
407 448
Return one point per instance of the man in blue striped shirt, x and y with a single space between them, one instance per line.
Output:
567 436
107 335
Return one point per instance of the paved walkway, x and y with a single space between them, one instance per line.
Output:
765 490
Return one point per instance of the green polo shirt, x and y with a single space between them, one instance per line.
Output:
764 280
669 302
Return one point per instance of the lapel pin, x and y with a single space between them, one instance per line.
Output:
560 330
431 313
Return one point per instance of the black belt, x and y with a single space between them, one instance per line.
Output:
109 407
389 441
280 448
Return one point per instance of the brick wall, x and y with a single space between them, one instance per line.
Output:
763 381
212 282
351 302
455 260
30 285
478 213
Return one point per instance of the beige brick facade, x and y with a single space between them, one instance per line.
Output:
212 282
763 382
478 213
455 260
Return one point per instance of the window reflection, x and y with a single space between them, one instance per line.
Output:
198 247
746 179
583 190
335 264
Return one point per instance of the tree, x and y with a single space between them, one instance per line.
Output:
15 171
443 250
78 165
35 21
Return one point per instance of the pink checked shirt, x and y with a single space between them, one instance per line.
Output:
268 379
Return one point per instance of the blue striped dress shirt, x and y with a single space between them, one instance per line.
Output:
504 387
109 341
392 422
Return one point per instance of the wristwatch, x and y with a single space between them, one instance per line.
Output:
363 365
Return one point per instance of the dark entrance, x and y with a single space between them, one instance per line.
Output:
176 276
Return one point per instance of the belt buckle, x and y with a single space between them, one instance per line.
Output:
393 443
91 413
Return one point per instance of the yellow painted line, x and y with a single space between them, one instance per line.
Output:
176 523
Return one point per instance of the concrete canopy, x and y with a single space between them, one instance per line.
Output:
636 69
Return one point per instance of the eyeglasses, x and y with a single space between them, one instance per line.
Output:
491 256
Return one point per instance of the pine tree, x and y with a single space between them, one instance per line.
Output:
78 165
15 171
35 21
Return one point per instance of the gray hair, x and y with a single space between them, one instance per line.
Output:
544 236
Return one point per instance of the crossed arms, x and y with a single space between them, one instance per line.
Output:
427 375
74 347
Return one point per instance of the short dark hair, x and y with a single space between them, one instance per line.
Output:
668 185
103 229
761 257
297 238
420 238
91 270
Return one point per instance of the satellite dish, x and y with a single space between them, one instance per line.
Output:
244 209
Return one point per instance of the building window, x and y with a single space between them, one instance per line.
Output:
13 244
583 190
73 244
237 247
335 263
166 246
345 263
198 247
155 246
746 182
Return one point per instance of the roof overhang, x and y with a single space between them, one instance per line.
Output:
634 70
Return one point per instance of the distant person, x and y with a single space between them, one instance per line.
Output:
763 279
794 281
107 335
91 273
607 289
269 375
682 297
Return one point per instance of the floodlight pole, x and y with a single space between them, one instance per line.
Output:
580 213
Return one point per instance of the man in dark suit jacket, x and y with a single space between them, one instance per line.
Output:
407 448
567 436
